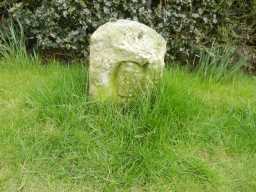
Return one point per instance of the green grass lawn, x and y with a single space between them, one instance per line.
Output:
190 135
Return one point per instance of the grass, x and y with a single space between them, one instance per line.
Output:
192 134
195 132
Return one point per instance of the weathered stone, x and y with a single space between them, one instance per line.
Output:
125 57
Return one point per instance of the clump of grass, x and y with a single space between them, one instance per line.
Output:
111 144
13 50
12 40
219 63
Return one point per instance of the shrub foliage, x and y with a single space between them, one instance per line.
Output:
65 26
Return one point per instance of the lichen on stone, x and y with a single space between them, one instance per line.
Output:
126 57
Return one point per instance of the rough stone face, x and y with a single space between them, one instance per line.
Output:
125 57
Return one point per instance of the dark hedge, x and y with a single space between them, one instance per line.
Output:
64 26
